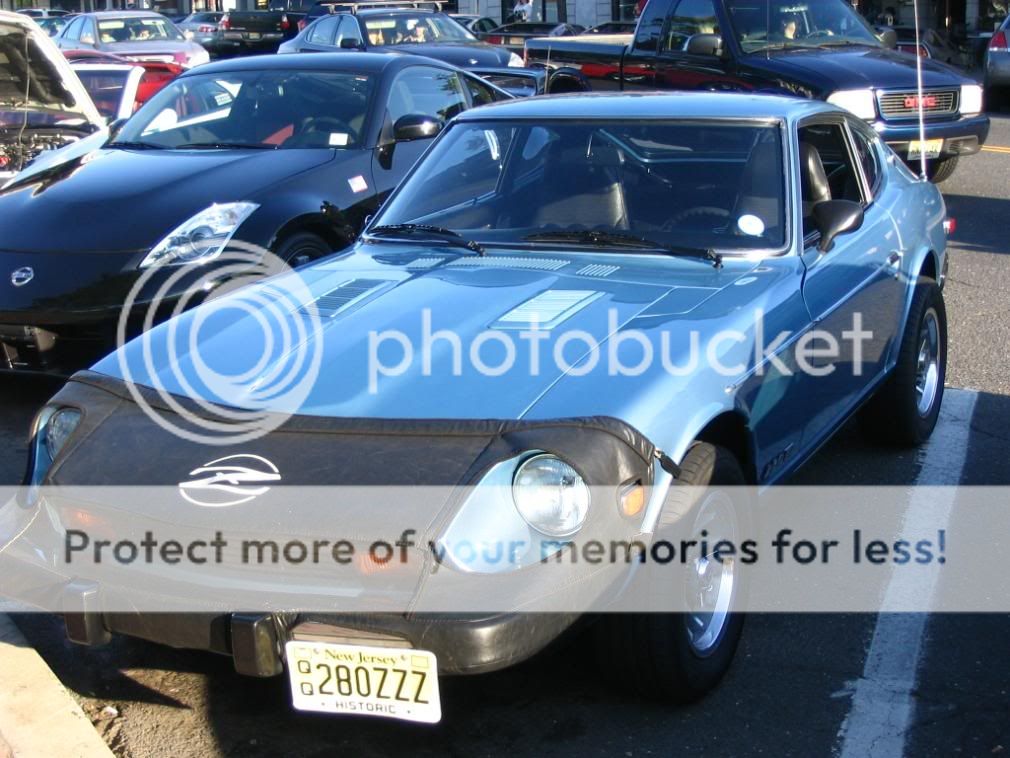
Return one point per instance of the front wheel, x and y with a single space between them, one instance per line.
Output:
941 169
302 247
904 411
679 657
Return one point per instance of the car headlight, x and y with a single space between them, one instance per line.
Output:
859 102
202 238
515 61
971 99
58 430
550 495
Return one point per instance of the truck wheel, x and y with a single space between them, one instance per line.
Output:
904 411
679 657
941 169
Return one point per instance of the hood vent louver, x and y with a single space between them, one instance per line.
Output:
546 310
537 264
598 270
340 298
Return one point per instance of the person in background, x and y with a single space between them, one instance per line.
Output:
523 10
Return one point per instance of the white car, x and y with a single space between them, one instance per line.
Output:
56 112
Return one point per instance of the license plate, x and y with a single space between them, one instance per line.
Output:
517 41
254 35
931 148
397 683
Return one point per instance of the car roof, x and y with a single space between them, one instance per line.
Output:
365 63
667 105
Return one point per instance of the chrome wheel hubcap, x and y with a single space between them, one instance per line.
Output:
927 369
710 584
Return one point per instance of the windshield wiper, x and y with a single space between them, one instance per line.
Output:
225 146
616 239
455 239
136 145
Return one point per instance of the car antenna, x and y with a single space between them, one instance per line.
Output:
919 95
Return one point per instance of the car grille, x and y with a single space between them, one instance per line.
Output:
906 104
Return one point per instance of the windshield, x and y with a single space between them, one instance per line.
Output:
105 87
707 185
772 24
255 109
406 29
141 29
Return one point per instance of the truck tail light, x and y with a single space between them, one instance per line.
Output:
494 39
949 226
285 24
205 29
225 23
998 43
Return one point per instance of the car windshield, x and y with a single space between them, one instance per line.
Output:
773 24
708 185
406 29
254 109
113 30
105 87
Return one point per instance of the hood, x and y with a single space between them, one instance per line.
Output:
462 54
158 189
828 69
370 307
32 65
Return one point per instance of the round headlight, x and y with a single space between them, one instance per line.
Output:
59 428
550 495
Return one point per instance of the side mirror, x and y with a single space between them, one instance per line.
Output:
349 43
888 37
704 44
834 217
415 126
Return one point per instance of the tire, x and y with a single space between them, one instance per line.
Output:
941 169
655 654
901 413
302 247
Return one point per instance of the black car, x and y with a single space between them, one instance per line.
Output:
289 153
423 32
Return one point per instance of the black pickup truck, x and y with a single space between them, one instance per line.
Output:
808 48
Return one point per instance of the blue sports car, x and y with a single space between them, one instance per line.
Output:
598 302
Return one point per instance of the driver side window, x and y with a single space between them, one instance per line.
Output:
827 171
428 91
690 17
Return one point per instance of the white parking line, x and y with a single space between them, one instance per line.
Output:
882 703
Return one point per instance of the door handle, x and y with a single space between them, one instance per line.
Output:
894 262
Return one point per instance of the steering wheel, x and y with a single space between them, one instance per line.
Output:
316 124
700 210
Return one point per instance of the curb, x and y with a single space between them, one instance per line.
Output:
38 717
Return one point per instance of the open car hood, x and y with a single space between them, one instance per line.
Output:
32 65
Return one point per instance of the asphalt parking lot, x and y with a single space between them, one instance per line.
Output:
801 684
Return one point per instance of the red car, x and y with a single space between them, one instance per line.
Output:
156 75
